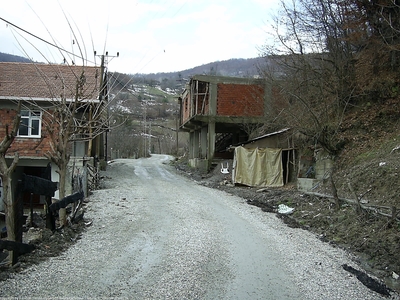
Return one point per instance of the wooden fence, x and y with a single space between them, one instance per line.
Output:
93 177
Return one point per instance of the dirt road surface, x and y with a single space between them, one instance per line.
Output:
158 235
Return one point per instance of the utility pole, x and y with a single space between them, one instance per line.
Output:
144 129
103 96
177 132
149 138
102 79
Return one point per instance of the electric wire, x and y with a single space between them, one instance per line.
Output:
43 40
71 54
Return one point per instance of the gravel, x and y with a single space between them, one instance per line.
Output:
157 235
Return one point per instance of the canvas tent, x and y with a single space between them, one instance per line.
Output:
258 167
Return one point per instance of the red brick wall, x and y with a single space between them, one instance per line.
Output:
240 100
32 147
185 109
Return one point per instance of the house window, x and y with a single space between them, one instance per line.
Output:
31 123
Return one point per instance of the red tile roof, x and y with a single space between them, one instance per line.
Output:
44 81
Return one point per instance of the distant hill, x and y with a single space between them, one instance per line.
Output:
4 57
175 81
236 67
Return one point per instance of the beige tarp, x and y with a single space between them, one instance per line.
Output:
260 167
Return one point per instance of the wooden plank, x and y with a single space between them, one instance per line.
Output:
38 186
67 200
50 220
20 248
204 100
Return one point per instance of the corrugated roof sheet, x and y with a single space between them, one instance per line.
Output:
47 81
261 137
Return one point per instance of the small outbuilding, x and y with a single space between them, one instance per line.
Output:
265 161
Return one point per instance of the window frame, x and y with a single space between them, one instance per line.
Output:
31 116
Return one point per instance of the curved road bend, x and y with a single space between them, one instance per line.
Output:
158 235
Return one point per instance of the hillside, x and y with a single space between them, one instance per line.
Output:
4 57
146 105
236 67
370 162
368 168
143 120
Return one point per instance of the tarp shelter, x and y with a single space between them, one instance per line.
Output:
258 167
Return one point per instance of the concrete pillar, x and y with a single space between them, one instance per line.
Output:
203 141
212 109
191 146
211 124
196 144
211 143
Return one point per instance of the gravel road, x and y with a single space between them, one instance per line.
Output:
157 235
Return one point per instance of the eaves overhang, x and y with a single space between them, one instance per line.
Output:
262 137
38 99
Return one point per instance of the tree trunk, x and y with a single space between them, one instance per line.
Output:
8 201
90 142
9 205
62 212
10 214
334 193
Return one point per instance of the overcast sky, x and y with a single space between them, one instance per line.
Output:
150 36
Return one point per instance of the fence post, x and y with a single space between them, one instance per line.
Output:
358 205
394 214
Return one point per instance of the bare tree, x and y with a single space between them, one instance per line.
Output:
6 172
327 55
375 32
67 121
310 70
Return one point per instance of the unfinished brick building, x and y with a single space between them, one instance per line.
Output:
217 111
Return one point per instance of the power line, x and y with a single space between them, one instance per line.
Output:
43 40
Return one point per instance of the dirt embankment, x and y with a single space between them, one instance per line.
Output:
370 163
47 243
374 239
